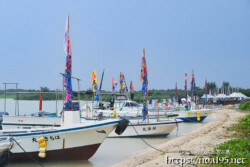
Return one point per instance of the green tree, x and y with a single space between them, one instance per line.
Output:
225 84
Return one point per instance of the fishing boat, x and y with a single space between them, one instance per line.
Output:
193 115
73 141
152 128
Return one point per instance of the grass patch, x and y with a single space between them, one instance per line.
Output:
245 106
232 150
237 147
243 127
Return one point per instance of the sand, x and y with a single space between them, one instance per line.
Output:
202 139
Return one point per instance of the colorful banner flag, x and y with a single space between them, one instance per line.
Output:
144 79
95 86
131 87
66 36
194 93
186 90
123 87
206 86
194 88
175 89
206 89
164 104
68 69
192 83
124 80
114 84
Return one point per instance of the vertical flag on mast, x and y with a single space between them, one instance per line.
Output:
131 87
114 84
123 87
186 90
144 79
68 68
194 87
192 84
175 89
206 88
40 101
124 80
95 86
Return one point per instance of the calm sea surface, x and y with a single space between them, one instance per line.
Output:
112 150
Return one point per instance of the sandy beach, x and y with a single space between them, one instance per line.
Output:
202 139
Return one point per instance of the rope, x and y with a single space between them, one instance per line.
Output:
150 144
36 161
7 151
177 127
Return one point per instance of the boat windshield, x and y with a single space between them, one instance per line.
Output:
121 97
133 104
127 105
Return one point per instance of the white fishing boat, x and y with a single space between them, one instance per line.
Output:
152 128
73 141
155 128
192 115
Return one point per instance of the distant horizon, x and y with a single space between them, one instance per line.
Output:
60 89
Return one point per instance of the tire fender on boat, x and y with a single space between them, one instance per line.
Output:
121 127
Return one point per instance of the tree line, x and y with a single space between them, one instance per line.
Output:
105 95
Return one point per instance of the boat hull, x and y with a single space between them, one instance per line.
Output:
78 153
155 129
71 143
192 119
183 115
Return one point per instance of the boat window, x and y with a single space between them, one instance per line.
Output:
135 105
127 105
26 127
121 97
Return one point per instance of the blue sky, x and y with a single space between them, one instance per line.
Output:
210 37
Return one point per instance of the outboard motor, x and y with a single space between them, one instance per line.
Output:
121 127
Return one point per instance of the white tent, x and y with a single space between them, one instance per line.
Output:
222 96
208 96
184 99
238 95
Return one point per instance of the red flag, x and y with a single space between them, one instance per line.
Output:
40 102
176 89
131 87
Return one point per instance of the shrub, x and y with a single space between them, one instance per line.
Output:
245 106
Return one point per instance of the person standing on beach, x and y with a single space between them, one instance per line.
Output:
112 100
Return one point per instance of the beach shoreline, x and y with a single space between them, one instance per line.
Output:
203 139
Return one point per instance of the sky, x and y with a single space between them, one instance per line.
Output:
212 38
